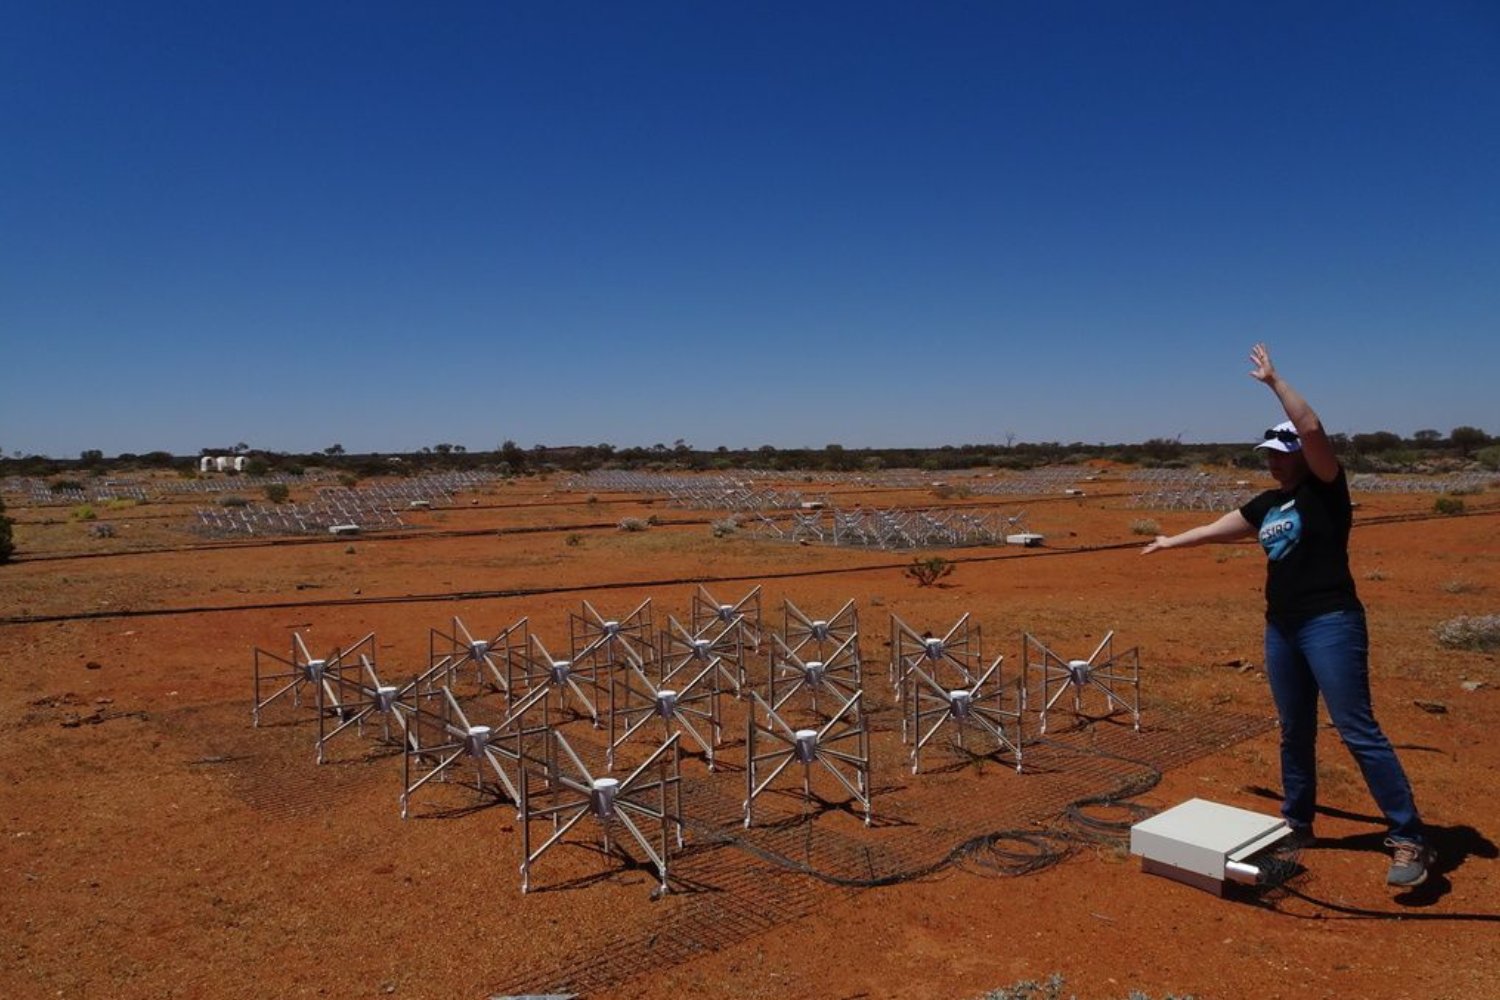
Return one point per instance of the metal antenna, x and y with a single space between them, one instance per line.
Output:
573 792
935 707
772 746
587 627
440 739
488 656
279 677
724 648
954 660
1113 676
816 638
359 697
710 615
683 701
586 679
838 676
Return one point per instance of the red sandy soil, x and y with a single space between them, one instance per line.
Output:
155 844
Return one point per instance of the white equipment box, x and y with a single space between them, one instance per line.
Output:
1204 843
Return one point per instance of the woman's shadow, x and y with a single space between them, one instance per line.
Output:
1451 845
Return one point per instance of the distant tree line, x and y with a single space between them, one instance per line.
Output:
1377 451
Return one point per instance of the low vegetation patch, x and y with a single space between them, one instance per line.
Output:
726 527
632 524
1478 632
929 571
1054 988
1145 526
1448 505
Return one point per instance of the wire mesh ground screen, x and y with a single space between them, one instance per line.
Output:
732 883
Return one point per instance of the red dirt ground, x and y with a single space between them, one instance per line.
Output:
155 844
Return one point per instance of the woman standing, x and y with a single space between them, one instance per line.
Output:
1316 640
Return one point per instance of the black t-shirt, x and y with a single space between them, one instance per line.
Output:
1305 535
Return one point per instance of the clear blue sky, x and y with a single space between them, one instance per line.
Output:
389 225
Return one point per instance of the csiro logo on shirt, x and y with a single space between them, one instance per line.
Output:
1281 531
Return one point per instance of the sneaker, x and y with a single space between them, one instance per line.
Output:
1409 861
1301 838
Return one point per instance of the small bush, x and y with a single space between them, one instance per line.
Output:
726 527
1052 989
653 520
929 571
592 498
1477 632
573 540
632 524
1462 587
1145 526
83 512
65 486
233 501
102 530
348 480
1447 505
277 492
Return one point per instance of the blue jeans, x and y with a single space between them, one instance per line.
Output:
1329 653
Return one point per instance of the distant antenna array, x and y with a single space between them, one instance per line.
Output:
944 527
1190 499
489 714
317 516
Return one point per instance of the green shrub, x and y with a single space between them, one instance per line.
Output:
233 501
928 571
277 492
1489 457
84 512
1447 505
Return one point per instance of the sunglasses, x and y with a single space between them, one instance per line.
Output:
1285 437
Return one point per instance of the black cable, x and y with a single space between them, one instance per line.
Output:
1040 849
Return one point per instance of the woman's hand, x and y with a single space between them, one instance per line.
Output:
1158 544
1263 371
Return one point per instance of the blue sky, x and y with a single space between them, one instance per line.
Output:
388 225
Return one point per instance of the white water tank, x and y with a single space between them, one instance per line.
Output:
206 464
239 463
